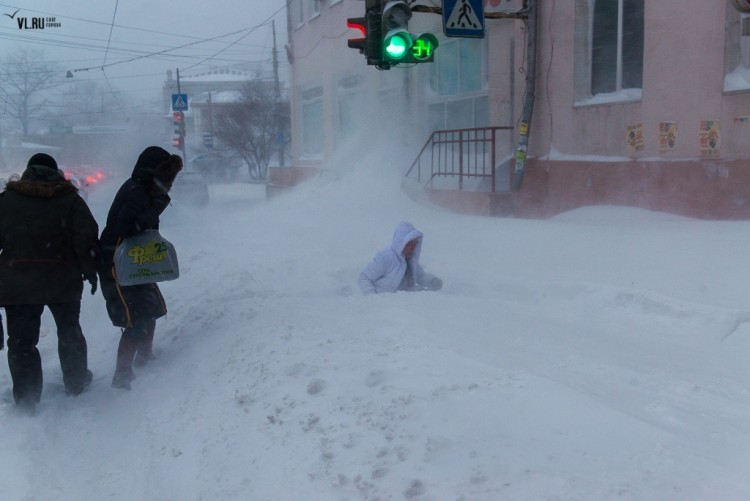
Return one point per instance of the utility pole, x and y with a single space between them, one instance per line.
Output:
277 100
182 143
210 115
528 104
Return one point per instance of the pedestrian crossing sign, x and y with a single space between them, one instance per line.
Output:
463 18
179 102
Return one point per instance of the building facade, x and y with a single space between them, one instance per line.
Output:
636 102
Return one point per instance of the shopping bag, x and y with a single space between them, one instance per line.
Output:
145 258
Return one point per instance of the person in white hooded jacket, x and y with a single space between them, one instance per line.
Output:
397 267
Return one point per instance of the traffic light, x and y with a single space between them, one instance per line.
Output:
358 23
422 49
178 120
397 40
386 40
371 30
399 45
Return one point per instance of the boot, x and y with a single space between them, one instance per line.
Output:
77 390
26 407
145 350
124 368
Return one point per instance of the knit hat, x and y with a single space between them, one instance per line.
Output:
42 159
42 167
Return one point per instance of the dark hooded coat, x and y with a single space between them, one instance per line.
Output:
137 206
48 239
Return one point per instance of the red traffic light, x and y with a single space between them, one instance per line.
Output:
178 120
357 23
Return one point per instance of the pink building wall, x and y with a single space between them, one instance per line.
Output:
578 152
683 82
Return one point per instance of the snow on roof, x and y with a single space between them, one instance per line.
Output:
737 79
218 97
223 75
36 146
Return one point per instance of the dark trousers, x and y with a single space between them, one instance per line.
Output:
24 322
137 339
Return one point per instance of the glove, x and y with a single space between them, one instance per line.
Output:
93 280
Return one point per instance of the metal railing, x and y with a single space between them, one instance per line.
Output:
462 154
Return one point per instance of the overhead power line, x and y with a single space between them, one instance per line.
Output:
111 27
167 53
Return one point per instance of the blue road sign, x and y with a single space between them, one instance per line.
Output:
179 102
463 18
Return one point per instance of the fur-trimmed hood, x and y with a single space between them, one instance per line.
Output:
157 163
41 189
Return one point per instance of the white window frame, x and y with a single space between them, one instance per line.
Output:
314 8
737 53
300 12
460 71
311 134
584 72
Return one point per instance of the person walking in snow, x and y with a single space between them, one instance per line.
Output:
49 243
136 207
397 268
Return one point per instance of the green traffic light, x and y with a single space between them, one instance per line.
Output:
397 44
421 49
424 47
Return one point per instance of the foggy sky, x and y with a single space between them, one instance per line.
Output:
143 28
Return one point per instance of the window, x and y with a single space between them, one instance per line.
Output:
314 8
736 52
350 106
300 12
458 78
460 113
460 67
616 46
312 121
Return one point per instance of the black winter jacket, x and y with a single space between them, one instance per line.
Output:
137 206
48 240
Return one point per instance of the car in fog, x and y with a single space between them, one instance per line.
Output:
215 167
80 185
85 177
190 188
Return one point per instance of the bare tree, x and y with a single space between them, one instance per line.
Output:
24 77
250 127
87 99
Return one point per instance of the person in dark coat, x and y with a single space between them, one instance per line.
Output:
136 207
48 238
